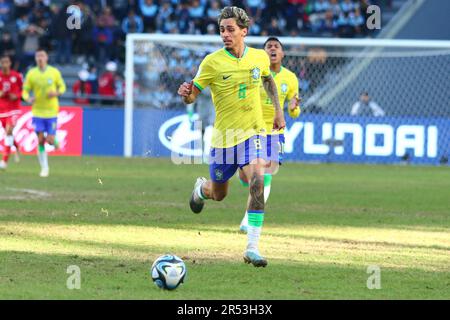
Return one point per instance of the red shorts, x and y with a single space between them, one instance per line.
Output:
9 121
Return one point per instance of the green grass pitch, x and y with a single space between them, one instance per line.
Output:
325 224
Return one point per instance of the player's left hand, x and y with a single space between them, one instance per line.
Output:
279 122
1 93
294 103
52 94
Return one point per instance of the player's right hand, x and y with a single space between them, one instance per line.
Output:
31 100
1 93
185 89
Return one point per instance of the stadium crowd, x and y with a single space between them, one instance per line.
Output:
26 25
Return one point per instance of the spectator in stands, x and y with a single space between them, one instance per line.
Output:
62 35
357 22
347 6
213 11
196 15
31 44
345 29
22 23
182 14
294 13
132 23
82 88
107 18
335 8
149 10
330 25
121 8
22 7
103 41
274 28
321 6
255 8
7 45
254 28
365 103
164 15
5 11
107 83
170 25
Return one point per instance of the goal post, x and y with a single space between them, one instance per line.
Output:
406 115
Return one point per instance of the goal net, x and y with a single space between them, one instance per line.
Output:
363 100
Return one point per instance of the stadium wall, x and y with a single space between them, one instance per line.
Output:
320 138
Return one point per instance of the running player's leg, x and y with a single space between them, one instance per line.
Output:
255 210
39 125
275 155
9 141
3 162
216 188
207 190
51 132
269 168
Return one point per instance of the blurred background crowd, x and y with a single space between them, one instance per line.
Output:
26 25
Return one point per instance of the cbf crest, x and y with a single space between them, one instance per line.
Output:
219 174
256 73
284 88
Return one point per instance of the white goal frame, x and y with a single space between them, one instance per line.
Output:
328 42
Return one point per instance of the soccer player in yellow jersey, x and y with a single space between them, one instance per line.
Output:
234 75
46 84
287 86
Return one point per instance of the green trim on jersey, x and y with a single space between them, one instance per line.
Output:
231 56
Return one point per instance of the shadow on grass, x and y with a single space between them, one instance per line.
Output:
43 276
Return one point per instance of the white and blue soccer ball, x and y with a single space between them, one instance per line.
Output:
168 272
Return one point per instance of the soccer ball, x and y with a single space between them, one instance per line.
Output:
168 272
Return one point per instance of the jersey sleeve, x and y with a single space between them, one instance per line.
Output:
205 74
17 88
265 62
293 87
60 82
27 87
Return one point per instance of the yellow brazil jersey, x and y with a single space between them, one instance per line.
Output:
287 87
41 83
235 89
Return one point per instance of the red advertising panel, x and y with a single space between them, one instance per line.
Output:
69 132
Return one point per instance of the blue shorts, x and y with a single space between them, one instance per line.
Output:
275 147
45 125
223 162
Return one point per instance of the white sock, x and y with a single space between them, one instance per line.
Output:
199 192
43 159
253 234
9 141
244 221
255 219
266 193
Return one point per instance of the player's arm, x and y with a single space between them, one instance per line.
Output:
188 92
204 77
16 93
294 99
271 88
27 87
60 86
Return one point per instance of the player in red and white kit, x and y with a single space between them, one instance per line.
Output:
10 96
